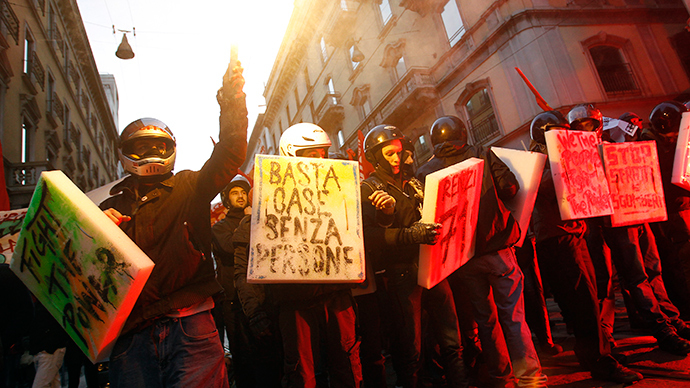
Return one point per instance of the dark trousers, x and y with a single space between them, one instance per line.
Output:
331 321
408 299
567 268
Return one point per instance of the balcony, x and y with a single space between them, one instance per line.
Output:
485 130
412 95
9 20
21 179
35 74
423 7
52 139
330 112
54 110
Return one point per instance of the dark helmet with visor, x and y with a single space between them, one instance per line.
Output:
377 138
448 128
546 121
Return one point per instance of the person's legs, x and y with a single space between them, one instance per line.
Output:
344 367
300 346
506 283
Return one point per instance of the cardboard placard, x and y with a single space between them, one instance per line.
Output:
632 170
578 174
681 162
451 198
85 270
10 225
306 221
527 167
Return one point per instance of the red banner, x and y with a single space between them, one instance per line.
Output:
365 168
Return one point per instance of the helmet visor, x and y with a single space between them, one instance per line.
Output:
147 148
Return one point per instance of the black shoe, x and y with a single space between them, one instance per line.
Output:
550 350
674 344
608 369
684 332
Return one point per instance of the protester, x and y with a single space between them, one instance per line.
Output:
255 363
170 338
48 343
493 269
309 314
567 267
16 315
394 247
630 248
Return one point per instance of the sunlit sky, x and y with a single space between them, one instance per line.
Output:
182 50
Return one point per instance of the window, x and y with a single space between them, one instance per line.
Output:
68 135
400 69
614 72
49 94
29 48
324 50
365 107
421 147
360 100
331 91
341 139
343 5
352 53
386 13
681 42
28 130
481 116
452 22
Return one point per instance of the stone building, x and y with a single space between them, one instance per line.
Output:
54 111
352 64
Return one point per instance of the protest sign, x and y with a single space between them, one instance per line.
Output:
681 160
451 198
10 225
581 187
632 170
306 222
79 264
527 167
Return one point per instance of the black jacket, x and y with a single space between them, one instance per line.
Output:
172 224
496 227
224 251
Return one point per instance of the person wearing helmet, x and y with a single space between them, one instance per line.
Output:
567 268
309 314
394 248
496 233
585 117
167 215
255 363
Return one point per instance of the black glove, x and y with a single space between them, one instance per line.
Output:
260 325
421 233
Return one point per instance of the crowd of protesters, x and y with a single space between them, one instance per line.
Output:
484 325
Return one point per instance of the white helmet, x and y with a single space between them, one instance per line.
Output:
147 165
303 136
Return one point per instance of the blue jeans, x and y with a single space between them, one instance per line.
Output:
506 339
172 352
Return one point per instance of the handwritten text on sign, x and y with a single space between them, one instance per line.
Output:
306 221
10 225
71 257
635 182
578 174
451 198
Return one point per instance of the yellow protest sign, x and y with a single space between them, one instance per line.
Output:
306 222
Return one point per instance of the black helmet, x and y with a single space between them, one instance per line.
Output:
377 137
584 113
546 121
665 117
146 165
237 181
448 128
628 117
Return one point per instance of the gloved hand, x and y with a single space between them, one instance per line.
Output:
421 233
260 325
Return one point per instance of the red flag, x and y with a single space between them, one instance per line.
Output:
4 197
540 100
365 168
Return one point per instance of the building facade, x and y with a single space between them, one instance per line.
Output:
352 64
54 111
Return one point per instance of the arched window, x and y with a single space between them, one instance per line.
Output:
615 73
479 110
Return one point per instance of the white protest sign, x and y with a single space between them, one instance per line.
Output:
85 270
581 187
619 128
10 225
632 170
527 167
306 221
681 162
451 198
